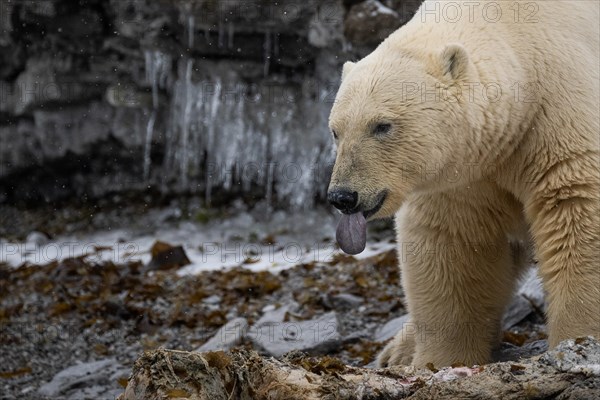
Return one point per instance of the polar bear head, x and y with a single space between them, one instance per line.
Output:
397 122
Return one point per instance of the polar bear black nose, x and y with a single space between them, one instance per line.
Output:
343 200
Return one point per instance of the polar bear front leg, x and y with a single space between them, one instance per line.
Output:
565 224
457 275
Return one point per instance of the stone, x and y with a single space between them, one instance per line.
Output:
345 301
390 329
528 298
369 23
228 336
576 356
325 26
166 256
316 336
272 315
531 287
37 239
46 80
510 352
406 9
212 300
518 310
96 379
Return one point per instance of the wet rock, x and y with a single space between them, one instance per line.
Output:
349 3
128 96
390 329
273 315
319 335
518 310
96 379
528 298
37 239
6 11
165 256
230 335
406 9
78 27
12 60
345 301
47 81
169 215
531 287
368 23
510 352
576 356
212 300
325 26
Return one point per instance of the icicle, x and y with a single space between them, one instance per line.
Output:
221 30
149 66
190 31
158 68
267 53
185 125
244 143
230 35
270 182
211 122
240 142
157 73
155 99
276 46
148 144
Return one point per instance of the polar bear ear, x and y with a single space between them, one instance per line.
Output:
348 65
455 61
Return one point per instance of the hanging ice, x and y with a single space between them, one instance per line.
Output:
218 136
158 69
230 35
148 144
211 123
185 124
190 31
267 53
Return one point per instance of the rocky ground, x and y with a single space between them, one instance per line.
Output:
568 372
73 328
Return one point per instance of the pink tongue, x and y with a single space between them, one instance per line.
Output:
351 233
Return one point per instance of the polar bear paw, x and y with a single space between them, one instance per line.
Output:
400 351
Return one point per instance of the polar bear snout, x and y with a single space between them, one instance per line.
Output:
343 199
350 202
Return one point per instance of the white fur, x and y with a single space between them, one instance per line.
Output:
471 171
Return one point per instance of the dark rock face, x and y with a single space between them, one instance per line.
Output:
104 96
370 22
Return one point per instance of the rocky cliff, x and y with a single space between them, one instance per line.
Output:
201 97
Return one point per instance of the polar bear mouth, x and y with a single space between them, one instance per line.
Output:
379 203
351 233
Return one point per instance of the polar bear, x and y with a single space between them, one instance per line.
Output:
477 127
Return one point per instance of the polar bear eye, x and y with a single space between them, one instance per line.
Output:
335 136
381 129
